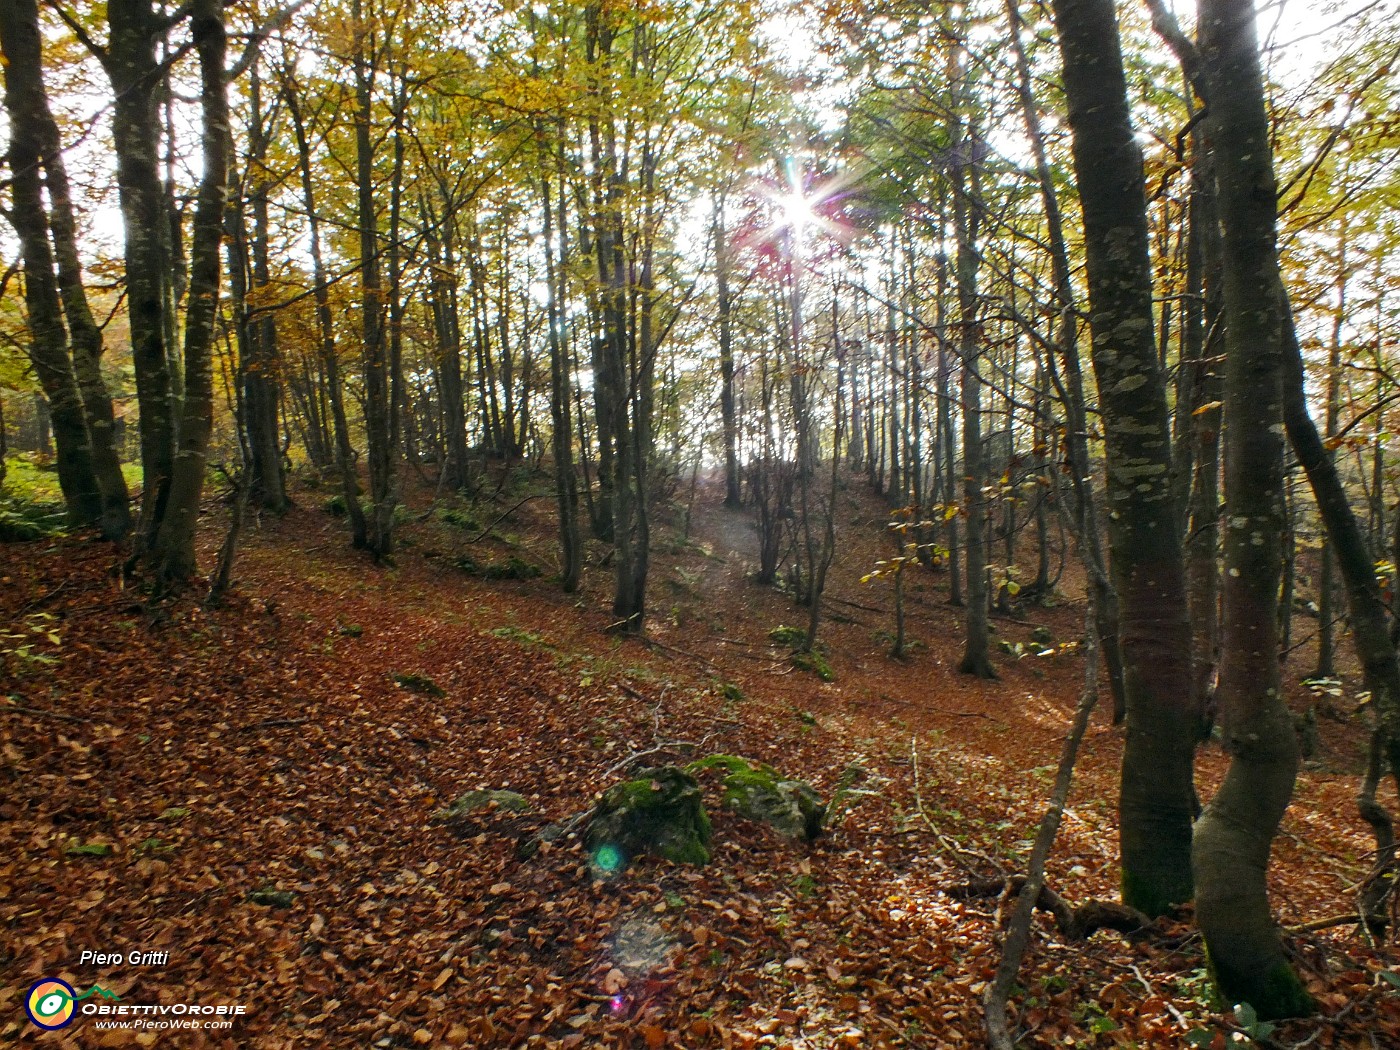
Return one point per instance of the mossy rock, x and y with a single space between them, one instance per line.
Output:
482 799
660 812
419 683
759 792
795 637
816 662
1043 635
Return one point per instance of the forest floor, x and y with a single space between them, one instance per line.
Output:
252 789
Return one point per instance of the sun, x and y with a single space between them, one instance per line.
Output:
797 213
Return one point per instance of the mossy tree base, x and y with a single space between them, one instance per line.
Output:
1275 995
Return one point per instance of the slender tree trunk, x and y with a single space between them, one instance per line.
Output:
1157 799
261 371
725 322
565 479
174 551
976 659
379 414
325 325
1326 632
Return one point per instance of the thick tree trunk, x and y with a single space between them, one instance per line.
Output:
48 347
1235 835
1202 388
85 338
135 75
174 547
1067 376
1157 798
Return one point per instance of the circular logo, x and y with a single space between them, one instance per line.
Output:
50 1003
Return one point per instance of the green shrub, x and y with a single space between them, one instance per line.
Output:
459 519
22 522
513 568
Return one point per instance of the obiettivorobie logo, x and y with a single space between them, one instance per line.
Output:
50 1003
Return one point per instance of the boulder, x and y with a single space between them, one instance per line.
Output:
660 812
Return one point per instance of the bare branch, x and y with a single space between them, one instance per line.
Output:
275 20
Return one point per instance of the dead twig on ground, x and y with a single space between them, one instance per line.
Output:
272 723
16 709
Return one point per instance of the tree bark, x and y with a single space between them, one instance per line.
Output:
1157 798
260 370
130 62
325 325
174 551
26 107
976 659
1234 835
1067 375
379 413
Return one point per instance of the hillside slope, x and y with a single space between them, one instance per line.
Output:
252 789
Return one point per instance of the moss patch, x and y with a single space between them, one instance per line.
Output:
759 792
660 812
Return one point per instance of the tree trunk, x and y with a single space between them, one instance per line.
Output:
725 323
379 436
48 348
131 66
1235 834
1157 799
174 547
565 479
325 326
260 372
976 659
1068 378
85 337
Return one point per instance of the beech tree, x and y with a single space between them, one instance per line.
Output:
1157 798
36 144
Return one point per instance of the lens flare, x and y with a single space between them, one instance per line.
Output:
608 859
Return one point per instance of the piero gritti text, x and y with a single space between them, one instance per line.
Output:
137 958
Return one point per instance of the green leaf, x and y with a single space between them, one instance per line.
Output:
1391 977
89 849
1245 1015
1199 1037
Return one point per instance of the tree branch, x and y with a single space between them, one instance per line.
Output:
275 20
98 51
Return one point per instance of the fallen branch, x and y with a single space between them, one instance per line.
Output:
1326 924
15 709
500 518
652 643
1074 923
272 723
